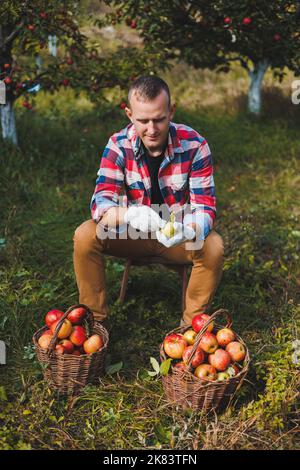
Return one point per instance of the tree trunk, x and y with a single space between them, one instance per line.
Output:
8 124
256 78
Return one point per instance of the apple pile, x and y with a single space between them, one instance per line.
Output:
218 356
72 336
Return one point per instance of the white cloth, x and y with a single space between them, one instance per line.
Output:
182 234
144 219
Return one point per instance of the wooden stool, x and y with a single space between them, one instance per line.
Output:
182 270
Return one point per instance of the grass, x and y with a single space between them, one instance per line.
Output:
46 187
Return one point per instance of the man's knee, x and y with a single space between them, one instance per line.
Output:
212 250
85 236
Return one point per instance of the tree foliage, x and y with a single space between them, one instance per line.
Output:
216 33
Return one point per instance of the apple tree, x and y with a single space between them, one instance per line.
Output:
27 63
215 34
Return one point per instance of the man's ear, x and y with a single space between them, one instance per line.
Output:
128 113
172 110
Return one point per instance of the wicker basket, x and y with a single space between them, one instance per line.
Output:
68 373
184 389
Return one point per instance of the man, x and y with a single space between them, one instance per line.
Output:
161 165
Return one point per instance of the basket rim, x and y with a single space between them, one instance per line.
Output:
188 374
48 350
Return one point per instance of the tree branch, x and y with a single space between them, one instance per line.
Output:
242 62
12 36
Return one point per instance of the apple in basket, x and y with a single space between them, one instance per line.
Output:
67 345
198 358
93 344
236 351
181 366
209 343
52 316
78 335
190 336
220 359
199 321
76 316
64 331
44 339
59 349
232 370
223 376
206 372
174 345
225 336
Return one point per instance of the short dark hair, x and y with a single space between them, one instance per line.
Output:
149 87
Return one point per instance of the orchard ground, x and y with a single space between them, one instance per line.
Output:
46 187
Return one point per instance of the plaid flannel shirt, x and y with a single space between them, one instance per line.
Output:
185 176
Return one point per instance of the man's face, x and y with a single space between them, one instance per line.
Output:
151 120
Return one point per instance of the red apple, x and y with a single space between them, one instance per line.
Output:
247 21
206 372
190 336
277 37
93 344
7 80
43 14
69 61
52 315
67 345
6 66
227 20
220 359
236 351
123 105
209 343
199 321
133 24
174 345
198 356
66 82
78 335
181 366
31 27
59 349
225 336
77 315
65 329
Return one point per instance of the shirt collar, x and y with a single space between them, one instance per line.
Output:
174 144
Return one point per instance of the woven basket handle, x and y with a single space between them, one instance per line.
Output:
221 311
89 318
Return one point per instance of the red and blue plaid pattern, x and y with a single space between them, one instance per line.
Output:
185 175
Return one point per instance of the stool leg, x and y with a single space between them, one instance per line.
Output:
124 282
184 285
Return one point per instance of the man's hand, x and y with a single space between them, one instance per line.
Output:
143 218
182 234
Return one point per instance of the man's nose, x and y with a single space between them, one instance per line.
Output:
152 127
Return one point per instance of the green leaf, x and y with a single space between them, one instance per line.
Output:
113 368
165 366
155 365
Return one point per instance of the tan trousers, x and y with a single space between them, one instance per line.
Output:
90 268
